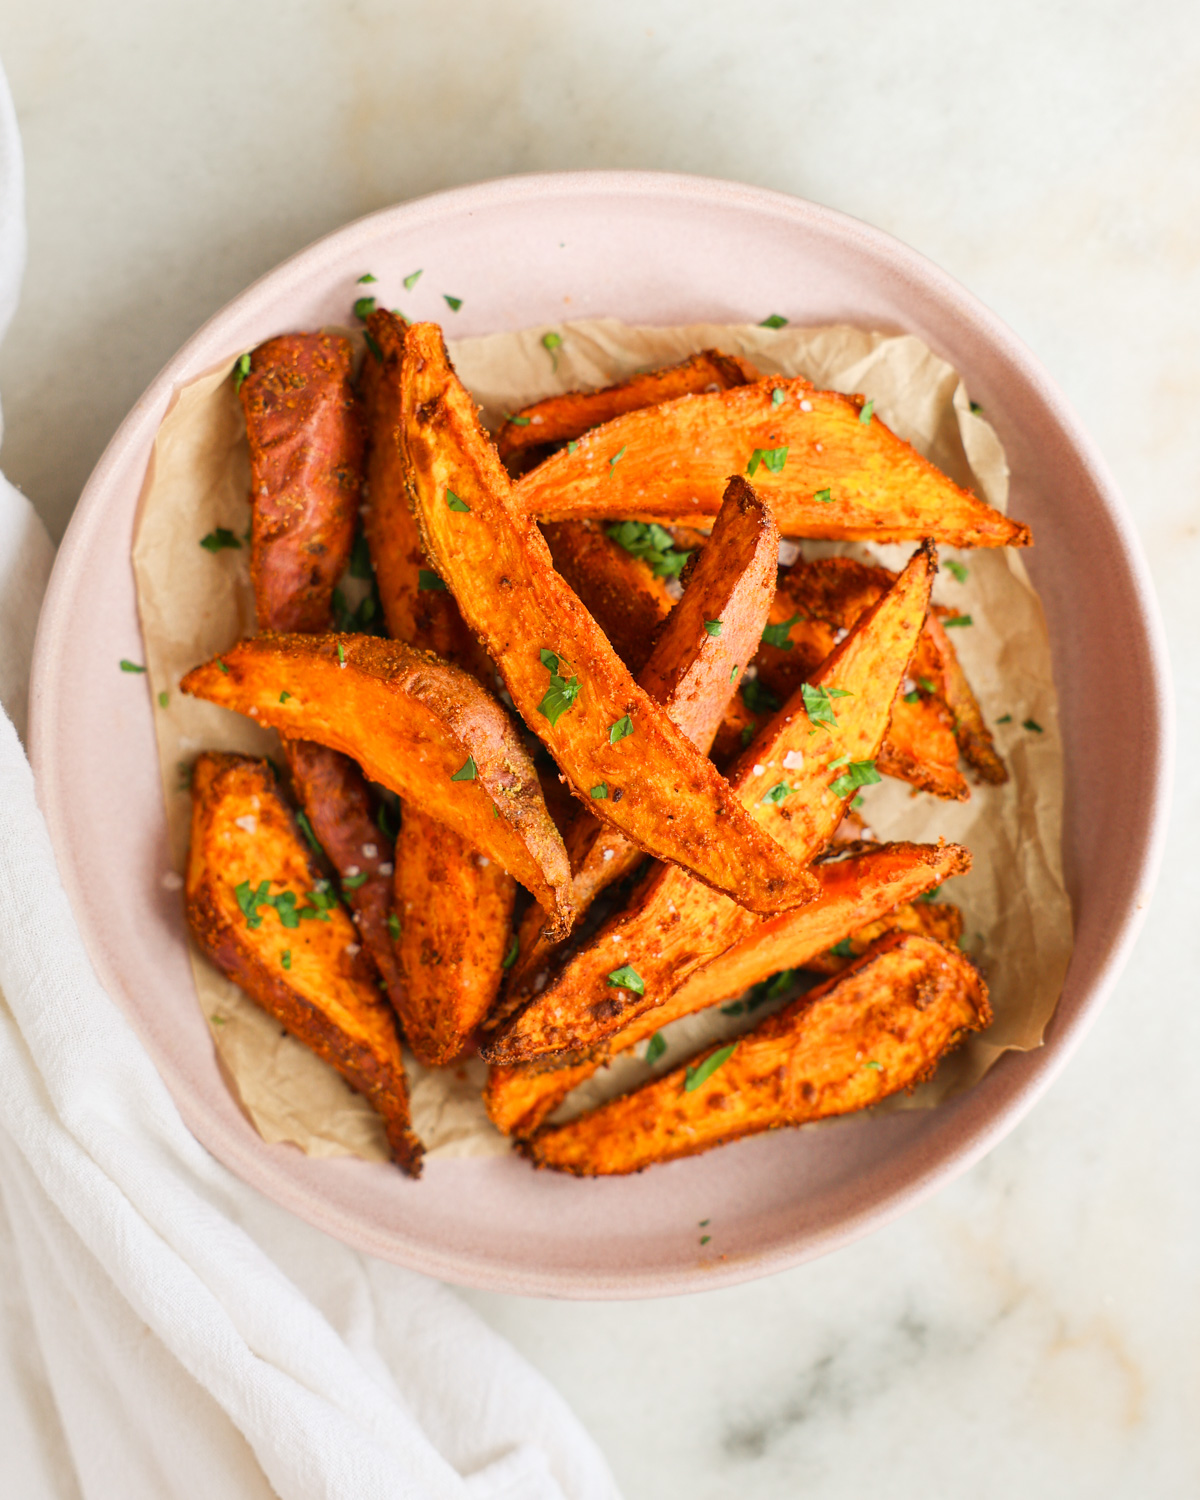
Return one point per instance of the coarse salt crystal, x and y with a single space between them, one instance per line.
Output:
249 823
793 760
806 406
607 855
370 850
483 861
758 770
751 671
352 870
386 867
353 948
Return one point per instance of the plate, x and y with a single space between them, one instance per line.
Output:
646 248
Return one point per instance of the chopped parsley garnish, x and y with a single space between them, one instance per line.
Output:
514 948
913 697
221 537
777 793
617 457
732 673
224 669
621 730
713 627
561 693
655 1047
306 829
284 696
394 926
858 802
627 978
363 308
453 303
360 558
373 347
1005 719
777 396
867 413
774 458
844 949
240 370
383 819
650 542
857 773
704 1238
366 277
956 569
163 699
774 321
518 421
700 1073
878 1066
704 1223
927 684
467 771
291 915
930 895
455 503
285 958
824 497
766 989
552 343
777 635
130 666
352 882
1033 725
818 703
599 792
958 620
758 698
411 280
429 582
976 409
341 651
572 445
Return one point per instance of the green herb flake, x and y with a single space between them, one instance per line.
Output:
552 342
455 503
1033 726
818 703
561 693
778 395
857 773
352 882
957 620
341 651
163 699
284 696
130 666
250 900
927 684
599 792
778 635
306 829
219 539
285 958
704 1238
393 925
514 948
878 1066
217 1020
824 497
777 793
713 627
930 895
467 771
429 582
733 671
913 697
859 801
411 280
651 543
956 569
1004 719
704 1223
240 370
627 978
758 698
572 445
655 1047
363 308
365 278
774 321
453 303
976 409
844 949
867 413
621 730
373 347
518 421
617 457
774 458
699 1073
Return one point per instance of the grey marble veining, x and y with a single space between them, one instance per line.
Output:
1032 1330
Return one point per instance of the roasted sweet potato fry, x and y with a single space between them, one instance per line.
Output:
824 471
260 910
417 725
617 589
880 1026
936 919
974 738
568 684
706 642
796 777
558 419
855 891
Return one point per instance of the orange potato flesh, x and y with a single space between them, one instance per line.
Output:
691 673
313 977
662 793
453 905
413 722
558 419
936 919
880 1026
673 925
670 463
862 888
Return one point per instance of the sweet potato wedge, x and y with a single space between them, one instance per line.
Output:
559 419
975 743
863 888
567 682
617 589
823 470
880 1026
935 919
260 910
703 646
796 778
306 445
417 725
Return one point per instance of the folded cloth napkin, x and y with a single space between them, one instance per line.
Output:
164 1330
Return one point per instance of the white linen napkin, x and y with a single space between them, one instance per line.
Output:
164 1330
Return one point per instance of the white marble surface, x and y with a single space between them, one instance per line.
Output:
1034 1329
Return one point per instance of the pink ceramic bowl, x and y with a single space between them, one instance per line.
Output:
648 249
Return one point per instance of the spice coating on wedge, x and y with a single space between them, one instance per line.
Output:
417 725
794 778
879 1027
862 888
257 908
567 682
825 473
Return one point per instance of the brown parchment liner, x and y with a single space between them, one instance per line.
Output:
194 603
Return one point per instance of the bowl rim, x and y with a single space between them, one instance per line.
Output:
1014 1096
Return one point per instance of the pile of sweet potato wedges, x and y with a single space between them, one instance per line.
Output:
585 760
